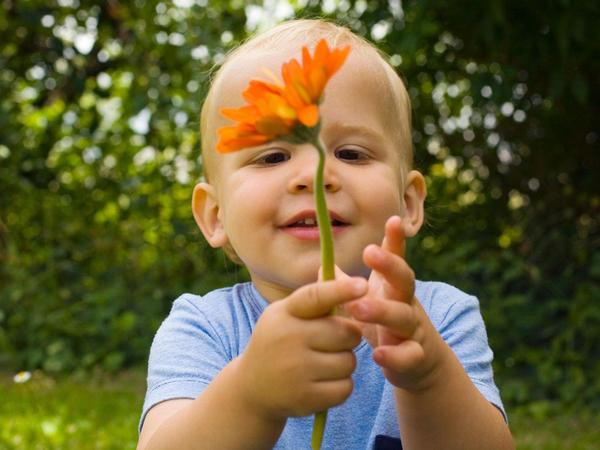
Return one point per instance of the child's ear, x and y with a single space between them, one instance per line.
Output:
206 213
414 200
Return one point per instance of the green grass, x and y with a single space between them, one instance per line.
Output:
568 431
102 412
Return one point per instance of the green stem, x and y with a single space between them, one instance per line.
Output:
323 220
327 264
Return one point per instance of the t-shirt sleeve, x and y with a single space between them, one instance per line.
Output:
463 329
186 354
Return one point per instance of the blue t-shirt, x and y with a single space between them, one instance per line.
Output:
202 334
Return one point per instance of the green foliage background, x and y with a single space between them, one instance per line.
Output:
99 151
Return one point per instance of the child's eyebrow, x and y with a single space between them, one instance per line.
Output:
354 129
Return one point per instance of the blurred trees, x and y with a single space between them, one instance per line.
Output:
99 106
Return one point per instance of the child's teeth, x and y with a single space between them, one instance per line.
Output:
309 221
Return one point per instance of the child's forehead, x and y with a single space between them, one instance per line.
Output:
263 64
254 64
363 87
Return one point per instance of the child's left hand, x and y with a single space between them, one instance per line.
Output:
405 343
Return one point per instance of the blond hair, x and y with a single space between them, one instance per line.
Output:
308 32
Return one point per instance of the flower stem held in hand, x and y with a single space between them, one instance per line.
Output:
323 220
327 263
290 112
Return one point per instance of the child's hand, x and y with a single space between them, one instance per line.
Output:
405 343
299 360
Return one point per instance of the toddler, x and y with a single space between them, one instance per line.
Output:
406 364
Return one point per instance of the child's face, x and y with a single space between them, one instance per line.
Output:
263 192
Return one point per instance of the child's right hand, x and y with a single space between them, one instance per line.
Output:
299 359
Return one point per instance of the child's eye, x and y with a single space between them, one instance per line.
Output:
272 158
351 155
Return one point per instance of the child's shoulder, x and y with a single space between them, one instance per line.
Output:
225 315
237 292
198 300
226 301
438 290
441 300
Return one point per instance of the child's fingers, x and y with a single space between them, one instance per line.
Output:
399 277
318 299
330 393
399 318
334 334
332 366
395 239
400 358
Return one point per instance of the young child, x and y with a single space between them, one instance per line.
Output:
405 365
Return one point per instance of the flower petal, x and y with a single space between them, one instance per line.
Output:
246 114
309 115
338 57
273 126
318 80
233 138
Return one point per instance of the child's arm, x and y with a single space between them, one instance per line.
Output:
298 361
438 405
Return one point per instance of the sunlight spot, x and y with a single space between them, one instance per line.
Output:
450 166
110 111
486 91
489 121
267 15
453 90
516 200
471 68
433 146
36 73
84 42
50 426
201 53
468 135
4 152
47 21
504 241
176 39
507 109
140 123
534 184
519 115
396 60
493 139
328 6
467 198
380 30
91 154
226 37
505 155
145 155
104 80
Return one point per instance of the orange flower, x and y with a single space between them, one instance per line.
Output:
272 110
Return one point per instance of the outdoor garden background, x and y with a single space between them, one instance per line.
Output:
99 151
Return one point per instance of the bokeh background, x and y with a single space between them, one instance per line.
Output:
99 152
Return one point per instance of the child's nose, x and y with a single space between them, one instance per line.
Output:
304 178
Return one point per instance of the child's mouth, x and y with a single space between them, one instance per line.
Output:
306 228
310 222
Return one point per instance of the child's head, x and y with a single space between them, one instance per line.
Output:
286 40
254 199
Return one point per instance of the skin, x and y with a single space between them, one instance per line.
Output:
254 192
